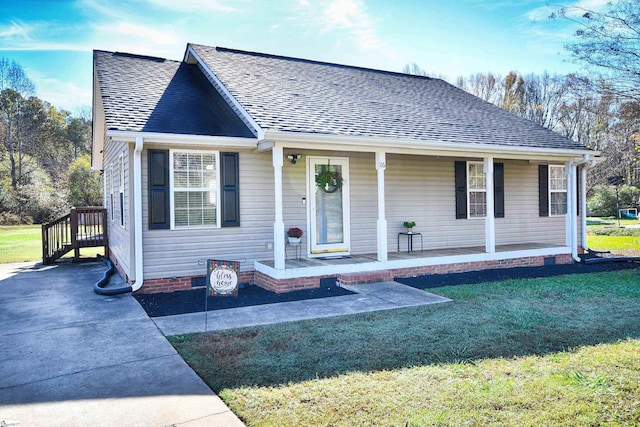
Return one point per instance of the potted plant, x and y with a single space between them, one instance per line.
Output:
329 180
293 235
409 225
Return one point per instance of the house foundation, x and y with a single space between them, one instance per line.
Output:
298 283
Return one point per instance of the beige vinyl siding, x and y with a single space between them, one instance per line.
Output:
522 222
169 253
418 188
421 189
119 237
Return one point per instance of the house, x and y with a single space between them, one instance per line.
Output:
218 155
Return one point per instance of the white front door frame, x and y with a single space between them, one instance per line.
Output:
315 248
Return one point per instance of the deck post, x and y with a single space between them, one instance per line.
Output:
381 166
490 219
45 244
74 234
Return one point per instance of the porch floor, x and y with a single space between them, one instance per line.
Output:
293 263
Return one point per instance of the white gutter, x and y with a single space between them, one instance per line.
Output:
583 201
368 142
172 138
583 207
137 217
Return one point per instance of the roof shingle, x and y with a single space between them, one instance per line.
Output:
146 94
297 95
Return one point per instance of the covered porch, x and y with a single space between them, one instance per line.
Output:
384 187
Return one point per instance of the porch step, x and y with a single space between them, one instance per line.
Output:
347 279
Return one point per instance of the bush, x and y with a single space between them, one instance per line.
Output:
603 199
85 185
7 218
615 231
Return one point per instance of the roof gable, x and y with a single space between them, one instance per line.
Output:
146 94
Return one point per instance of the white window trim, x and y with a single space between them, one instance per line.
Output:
566 190
172 190
469 190
121 200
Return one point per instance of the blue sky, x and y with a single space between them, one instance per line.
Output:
53 39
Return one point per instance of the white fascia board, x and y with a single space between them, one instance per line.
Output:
191 53
97 126
174 139
411 146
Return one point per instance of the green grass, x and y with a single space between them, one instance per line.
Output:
603 234
609 222
624 243
553 351
24 243
20 243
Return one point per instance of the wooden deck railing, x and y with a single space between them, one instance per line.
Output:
84 227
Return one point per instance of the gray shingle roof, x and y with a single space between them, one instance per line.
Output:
146 94
295 95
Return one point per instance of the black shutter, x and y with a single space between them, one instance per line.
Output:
461 190
543 190
158 189
230 188
498 190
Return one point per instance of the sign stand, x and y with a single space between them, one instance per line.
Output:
222 281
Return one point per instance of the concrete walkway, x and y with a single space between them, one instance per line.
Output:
69 357
369 297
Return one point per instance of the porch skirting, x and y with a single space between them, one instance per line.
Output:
356 278
364 274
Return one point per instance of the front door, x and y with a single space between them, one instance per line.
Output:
328 179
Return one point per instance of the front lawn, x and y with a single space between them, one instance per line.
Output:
20 243
603 234
562 350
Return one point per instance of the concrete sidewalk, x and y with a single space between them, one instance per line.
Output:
369 297
69 357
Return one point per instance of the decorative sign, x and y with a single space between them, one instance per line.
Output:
222 278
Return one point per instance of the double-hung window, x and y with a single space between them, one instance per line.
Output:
476 190
471 190
557 190
194 189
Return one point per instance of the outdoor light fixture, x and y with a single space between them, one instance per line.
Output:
293 157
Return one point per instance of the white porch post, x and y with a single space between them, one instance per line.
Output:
278 225
381 165
489 221
570 226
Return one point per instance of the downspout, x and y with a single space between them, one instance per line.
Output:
583 201
137 217
583 207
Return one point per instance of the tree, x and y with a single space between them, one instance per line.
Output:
609 43
15 117
20 122
85 184
414 69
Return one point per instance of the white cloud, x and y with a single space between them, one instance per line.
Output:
63 94
195 5
351 17
16 29
162 37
